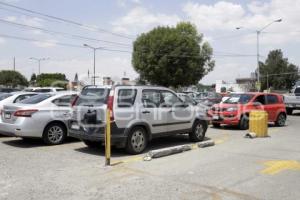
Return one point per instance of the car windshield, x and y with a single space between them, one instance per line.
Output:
93 96
239 98
36 99
4 96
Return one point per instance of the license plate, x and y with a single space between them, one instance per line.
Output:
75 126
216 117
7 115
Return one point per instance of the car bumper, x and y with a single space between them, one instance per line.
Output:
23 130
118 135
224 118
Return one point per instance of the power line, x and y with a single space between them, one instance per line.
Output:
61 33
119 50
67 21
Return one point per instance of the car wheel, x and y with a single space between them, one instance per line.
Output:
54 133
289 111
244 123
281 119
216 125
136 141
198 131
92 144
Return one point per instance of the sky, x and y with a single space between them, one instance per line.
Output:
113 25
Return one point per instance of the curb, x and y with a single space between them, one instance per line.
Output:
175 150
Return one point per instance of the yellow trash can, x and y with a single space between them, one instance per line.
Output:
258 123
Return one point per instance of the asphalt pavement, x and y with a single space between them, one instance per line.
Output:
235 168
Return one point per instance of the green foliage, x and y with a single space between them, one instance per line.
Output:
51 79
278 72
172 56
33 77
12 78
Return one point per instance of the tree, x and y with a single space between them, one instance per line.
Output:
51 79
10 78
172 56
33 79
277 72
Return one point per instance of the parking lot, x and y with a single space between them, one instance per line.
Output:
235 168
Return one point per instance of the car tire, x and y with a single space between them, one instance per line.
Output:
289 111
54 134
198 131
281 119
244 123
92 144
216 125
137 140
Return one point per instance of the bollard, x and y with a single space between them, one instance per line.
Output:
258 123
107 139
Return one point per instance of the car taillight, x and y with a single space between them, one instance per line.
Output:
110 104
25 113
74 101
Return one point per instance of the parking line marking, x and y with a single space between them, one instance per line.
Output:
222 139
276 166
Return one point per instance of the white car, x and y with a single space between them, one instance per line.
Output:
44 89
15 97
41 116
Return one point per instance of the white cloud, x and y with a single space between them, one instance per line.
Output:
2 41
225 16
124 3
45 44
140 19
219 16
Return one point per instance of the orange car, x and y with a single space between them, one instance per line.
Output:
235 110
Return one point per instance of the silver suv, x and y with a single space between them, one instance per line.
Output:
138 114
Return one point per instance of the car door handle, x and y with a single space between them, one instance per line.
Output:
146 112
170 111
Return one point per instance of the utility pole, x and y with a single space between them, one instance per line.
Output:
39 62
258 32
94 50
14 63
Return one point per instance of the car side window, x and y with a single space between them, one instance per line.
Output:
169 99
272 99
64 101
126 98
23 97
151 98
260 99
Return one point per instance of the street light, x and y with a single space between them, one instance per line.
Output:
94 49
39 62
258 32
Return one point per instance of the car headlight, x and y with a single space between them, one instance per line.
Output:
231 109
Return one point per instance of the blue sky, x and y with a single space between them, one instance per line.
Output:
215 19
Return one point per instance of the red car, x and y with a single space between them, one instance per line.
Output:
235 110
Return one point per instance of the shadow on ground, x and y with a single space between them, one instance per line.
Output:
236 128
157 143
31 142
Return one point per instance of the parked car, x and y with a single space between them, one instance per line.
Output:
9 90
138 114
211 99
292 101
44 89
14 97
236 109
41 116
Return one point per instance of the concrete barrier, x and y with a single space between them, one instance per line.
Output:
207 143
174 150
168 151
